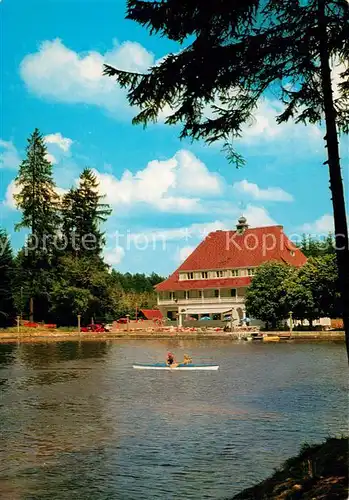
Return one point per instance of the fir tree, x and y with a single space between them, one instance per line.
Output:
83 214
39 203
6 276
37 198
236 51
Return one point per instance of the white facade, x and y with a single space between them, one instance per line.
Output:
215 303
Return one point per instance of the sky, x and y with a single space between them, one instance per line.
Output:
166 194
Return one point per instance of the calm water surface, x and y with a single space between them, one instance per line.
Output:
77 422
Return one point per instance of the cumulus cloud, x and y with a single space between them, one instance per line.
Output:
256 217
114 257
64 143
51 158
257 193
337 69
11 191
264 128
9 156
166 185
193 231
58 73
58 147
325 224
185 252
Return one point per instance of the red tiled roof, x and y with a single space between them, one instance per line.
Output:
230 250
152 313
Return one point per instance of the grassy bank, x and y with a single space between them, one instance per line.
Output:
318 472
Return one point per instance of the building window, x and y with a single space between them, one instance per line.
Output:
200 294
233 292
172 295
204 275
216 293
186 295
292 253
235 272
219 274
190 276
250 272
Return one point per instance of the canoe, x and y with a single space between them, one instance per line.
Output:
181 366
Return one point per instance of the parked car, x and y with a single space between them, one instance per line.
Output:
122 321
96 328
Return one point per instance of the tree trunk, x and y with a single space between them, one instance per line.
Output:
31 309
336 182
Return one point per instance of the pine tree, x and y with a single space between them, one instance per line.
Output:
37 198
83 214
39 203
235 52
6 276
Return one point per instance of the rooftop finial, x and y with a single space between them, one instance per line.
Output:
242 225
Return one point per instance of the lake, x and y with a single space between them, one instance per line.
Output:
78 422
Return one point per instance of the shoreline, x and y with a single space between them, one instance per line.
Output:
44 336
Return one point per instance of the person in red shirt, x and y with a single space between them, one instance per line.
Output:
170 360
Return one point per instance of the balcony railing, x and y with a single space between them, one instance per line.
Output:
199 300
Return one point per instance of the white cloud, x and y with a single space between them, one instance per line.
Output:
258 216
323 225
337 69
64 143
58 73
11 190
185 252
194 231
193 175
58 147
264 128
166 185
9 157
51 158
253 190
114 257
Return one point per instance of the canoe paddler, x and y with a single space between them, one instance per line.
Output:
187 359
170 359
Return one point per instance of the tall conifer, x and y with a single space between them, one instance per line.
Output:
6 276
83 214
39 203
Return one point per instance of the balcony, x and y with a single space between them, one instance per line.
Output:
200 300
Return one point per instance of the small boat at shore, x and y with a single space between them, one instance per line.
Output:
181 366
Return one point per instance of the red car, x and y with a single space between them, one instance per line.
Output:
96 328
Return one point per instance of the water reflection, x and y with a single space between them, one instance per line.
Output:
44 354
78 422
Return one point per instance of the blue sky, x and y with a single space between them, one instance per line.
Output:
166 194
